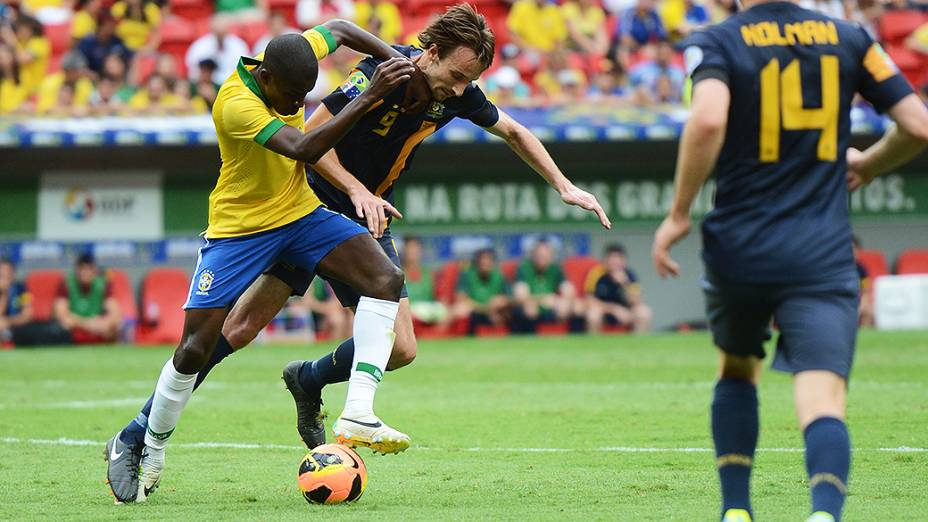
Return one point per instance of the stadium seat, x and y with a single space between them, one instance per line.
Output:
287 7
446 281
252 31
896 26
509 268
175 35
192 9
559 328
576 269
43 285
164 291
122 292
914 261
59 36
486 330
874 263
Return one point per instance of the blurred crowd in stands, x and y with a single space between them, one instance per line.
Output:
132 57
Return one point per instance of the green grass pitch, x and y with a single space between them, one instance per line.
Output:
600 428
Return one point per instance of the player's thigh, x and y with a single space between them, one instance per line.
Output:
818 328
819 393
348 296
255 309
739 317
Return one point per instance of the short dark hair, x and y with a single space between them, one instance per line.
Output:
411 239
484 252
615 248
291 57
7 261
85 258
459 26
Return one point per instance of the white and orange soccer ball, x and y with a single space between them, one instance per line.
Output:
332 474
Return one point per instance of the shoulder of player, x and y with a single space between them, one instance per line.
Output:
370 63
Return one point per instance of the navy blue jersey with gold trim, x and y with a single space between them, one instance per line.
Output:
380 147
781 203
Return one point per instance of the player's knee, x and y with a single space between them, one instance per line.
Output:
739 368
388 284
240 333
191 355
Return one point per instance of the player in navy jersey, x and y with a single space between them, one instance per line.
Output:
357 179
772 91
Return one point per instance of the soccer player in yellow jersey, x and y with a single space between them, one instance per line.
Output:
262 211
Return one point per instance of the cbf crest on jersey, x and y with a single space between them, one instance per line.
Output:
205 282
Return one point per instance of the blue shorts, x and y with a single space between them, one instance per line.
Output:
817 322
299 279
227 266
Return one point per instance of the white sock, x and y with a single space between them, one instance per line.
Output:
171 395
373 343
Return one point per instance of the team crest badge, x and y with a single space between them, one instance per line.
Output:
206 281
436 110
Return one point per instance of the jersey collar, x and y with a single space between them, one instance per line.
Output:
248 79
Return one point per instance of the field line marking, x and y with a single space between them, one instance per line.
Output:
606 449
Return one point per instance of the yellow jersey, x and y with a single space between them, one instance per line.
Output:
257 189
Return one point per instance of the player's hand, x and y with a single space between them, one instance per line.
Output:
375 210
583 199
855 178
671 231
418 93
389 75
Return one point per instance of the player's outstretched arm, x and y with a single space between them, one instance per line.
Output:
366 205
534 154
700 145
900 144
346 33
310 146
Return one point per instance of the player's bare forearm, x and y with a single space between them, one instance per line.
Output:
353 37
901 143
329 165
530 149
700 144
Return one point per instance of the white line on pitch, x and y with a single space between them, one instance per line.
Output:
77 405
607 449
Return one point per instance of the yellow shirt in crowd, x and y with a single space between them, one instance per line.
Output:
82 24
12 95
542 28
32 73
134 33
391 23
51 86
589 21
257 189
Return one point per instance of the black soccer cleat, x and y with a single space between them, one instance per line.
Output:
309 417
122 469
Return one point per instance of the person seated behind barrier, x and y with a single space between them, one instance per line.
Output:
15 302
482 292
420 285
615 295
865 307
541 293
329 316
85 305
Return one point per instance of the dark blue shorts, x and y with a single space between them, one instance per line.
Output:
299 279
227 266
817 322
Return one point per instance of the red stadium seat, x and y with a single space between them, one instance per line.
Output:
252 31
509 268
122 292
59 36
560 328
896 26
576 269
176 34
486 330
913 261
287 7
43 285
874 263
164 291
446 281
192 9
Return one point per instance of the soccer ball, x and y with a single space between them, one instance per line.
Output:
332 474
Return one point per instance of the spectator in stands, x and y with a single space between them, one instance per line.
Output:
15 302
615 295
610 86
71 84
832 8
560 82
218 45
101 44
12 91
202 85
541 294
420 285
47 11
586 29
137 21
865 306
158 98
33 51
537 26
638 26
166 67
682 17
331 319
106 99
84 22
85 305
506 88
114 67
657 79
382 18
918 40
482 292
310 13
276 26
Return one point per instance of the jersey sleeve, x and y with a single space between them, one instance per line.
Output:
322 41
880 82
247 119
478 108
357 82
601 290
703 58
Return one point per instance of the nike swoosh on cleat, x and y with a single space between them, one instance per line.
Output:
113 454
367 424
